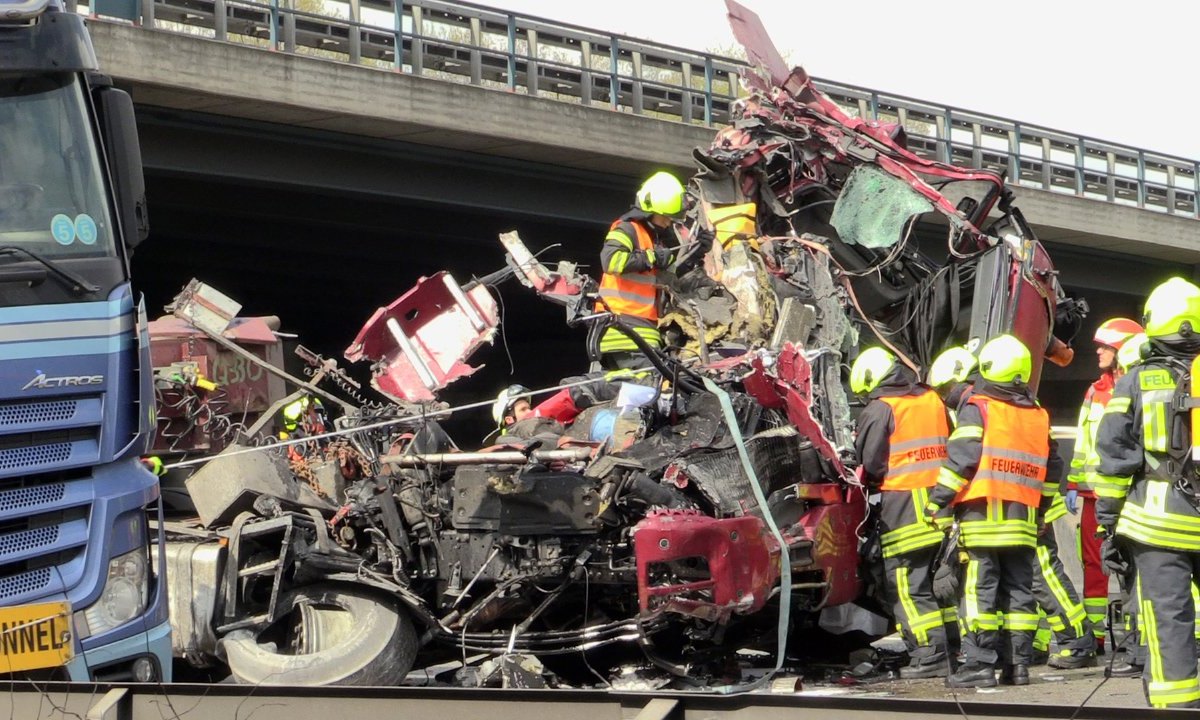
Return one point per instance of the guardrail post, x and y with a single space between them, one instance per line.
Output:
943 137
1047 165
874 106
398 35
585 72
976 145
864 109
708 91
220 20
512 52
685 98
531 64
1196 190
1171 189
273 34
1081 167
1141 171
637 82
614 86
476 56
116 704
289 30
355 32
1014 154
1112 176
418 45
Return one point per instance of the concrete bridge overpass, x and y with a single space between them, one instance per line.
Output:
317 188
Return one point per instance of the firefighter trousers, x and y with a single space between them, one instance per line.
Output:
1167 623
1132 644
1095 582
998 613
1056 597
910 593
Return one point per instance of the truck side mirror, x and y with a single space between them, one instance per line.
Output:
119 129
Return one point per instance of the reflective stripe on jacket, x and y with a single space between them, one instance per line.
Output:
1084 460
1152 508
1016 450
918 442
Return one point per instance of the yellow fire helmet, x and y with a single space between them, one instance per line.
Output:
952 366
1005 359
870 368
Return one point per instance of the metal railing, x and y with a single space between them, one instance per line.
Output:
483 46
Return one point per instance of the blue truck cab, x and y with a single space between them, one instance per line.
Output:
79 598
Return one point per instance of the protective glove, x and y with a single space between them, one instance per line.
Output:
704 238
659 258
651 257
1112 557
929 515
1073 502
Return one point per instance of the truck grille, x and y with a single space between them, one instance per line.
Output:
26 583
47 450
25 413
32 457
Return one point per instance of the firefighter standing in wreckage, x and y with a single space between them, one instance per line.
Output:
1148 490
634 251
954 374
901 441
1001 473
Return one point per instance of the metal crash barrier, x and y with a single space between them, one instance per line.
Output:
34 701
473 44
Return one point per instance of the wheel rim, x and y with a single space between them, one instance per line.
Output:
320 627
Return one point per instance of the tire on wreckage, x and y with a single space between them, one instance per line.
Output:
333 634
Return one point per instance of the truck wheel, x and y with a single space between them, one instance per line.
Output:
334 635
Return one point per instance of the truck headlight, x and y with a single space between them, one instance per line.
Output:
125 593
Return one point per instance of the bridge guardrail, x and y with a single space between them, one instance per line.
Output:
468 43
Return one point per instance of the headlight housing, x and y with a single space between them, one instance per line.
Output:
125 594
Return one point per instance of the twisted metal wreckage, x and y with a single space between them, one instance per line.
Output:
720 515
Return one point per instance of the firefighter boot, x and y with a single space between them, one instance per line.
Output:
974 675
1072 659
916 670
1014 675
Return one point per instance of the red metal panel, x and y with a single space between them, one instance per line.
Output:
742 557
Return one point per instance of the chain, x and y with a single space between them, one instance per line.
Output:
339 451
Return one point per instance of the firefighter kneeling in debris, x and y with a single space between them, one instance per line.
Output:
901 442
1001 473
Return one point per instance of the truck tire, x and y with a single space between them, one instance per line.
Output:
333 635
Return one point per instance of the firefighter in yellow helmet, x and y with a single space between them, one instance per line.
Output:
635 250
953 375
901 441
1148 491
1000 474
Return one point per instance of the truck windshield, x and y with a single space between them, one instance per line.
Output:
52 189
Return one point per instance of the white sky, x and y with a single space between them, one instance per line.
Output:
1120 72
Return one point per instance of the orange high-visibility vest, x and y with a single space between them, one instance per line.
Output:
1016 450
918 442
632 294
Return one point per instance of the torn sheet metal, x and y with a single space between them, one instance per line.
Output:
419 344
740 563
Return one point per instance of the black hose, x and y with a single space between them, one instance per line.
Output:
666 366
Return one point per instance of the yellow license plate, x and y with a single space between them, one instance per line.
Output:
35 636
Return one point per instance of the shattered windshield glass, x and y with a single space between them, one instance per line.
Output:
874 208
